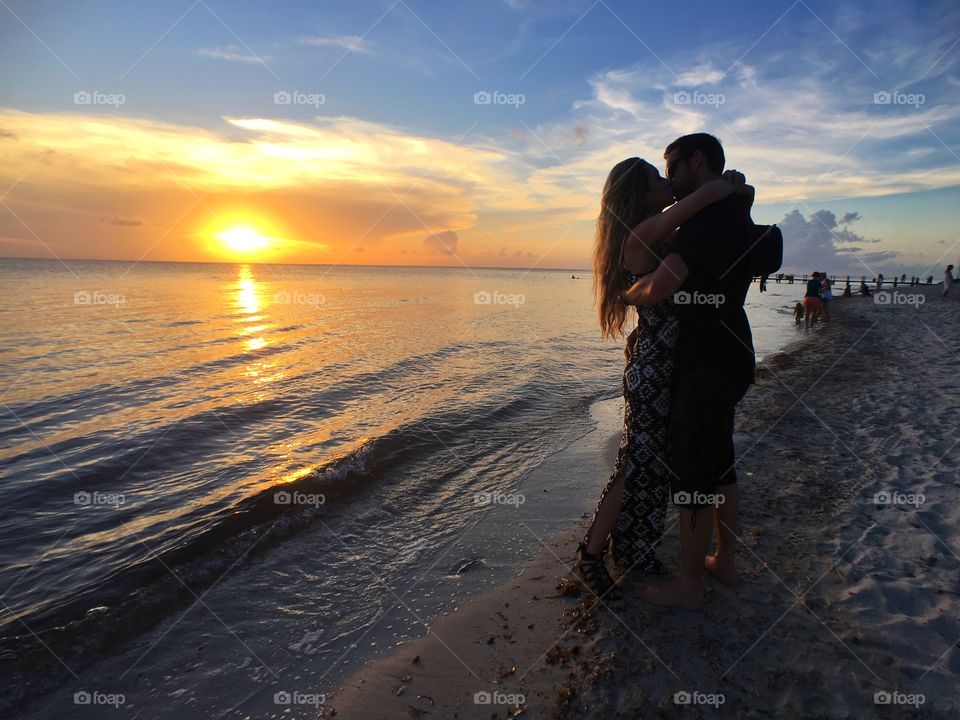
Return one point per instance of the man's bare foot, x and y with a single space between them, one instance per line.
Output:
676 593
725 572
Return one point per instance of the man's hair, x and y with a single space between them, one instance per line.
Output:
707 144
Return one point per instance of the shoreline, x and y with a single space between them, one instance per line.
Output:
803 634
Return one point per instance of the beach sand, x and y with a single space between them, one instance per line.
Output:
848 606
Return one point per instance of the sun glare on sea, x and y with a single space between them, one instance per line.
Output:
244 239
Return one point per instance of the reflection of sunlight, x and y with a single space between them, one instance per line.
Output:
248 300
265 372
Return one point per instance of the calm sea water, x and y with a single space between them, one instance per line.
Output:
236 467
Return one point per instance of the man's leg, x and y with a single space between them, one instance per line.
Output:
723 564
687 590
694 454
727 513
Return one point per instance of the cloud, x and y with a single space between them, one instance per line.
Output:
704 74
444 242
849 218
232 53
818 242
124 222
354 43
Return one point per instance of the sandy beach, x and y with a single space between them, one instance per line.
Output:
848 556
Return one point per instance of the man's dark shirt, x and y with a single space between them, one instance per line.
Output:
714 245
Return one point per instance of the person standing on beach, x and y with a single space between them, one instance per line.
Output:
708 264
633 231
811 301
947 281
826 295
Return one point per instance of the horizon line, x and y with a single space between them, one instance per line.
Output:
303 264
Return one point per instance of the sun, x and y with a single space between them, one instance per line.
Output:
244 239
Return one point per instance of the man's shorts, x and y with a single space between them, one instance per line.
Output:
701 434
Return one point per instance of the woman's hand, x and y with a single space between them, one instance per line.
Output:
735 178
718 189
628 347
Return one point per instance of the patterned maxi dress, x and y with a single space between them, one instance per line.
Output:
647 378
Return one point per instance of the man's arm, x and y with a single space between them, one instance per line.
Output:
658 285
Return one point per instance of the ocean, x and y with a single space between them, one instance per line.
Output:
225 481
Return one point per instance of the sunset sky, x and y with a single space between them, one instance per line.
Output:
351 132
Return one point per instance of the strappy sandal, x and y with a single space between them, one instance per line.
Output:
593 571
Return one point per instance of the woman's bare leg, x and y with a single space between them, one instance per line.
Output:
606 518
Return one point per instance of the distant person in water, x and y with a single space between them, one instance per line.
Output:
847 292
864 290
947 281
811 301
633 233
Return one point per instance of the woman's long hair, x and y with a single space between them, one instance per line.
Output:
622 206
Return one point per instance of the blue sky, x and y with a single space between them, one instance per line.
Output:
849 108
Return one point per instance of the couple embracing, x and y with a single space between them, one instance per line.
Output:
690 360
